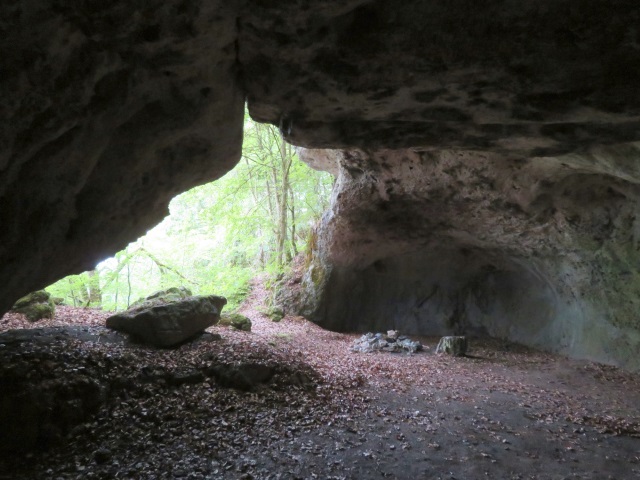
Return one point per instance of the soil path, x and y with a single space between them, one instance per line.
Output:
505 412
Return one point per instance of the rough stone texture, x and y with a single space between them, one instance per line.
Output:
456 346
161 297
36 306
108 109
542 252
237 321
379 342
536 77
170 324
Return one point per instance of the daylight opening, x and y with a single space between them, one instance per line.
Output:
218 236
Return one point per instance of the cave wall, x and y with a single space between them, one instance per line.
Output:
109 109
540 77
542 252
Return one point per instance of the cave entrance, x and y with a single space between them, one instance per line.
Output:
257 218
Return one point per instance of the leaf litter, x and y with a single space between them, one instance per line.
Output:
326 412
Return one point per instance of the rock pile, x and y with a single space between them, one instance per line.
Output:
391 342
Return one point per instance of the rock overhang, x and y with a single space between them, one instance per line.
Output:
109 110
537 78
542 252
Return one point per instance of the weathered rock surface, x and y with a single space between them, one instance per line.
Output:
162 297
169 324
456 346
542 252
513 212
109 110
237 321
36 306
500 76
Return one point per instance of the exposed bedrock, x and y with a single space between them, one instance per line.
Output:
538 77
108 109
107 112
543 252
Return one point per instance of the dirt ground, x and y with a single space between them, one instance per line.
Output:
503 412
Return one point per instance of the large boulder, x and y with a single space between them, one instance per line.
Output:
169 324
35 306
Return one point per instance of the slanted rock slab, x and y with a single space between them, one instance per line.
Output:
172 323
456 346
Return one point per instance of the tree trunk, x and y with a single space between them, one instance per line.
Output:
283 209
292 209
73 293
128 285
117 290
94 294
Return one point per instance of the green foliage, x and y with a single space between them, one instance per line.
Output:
78 290
235 320
219 235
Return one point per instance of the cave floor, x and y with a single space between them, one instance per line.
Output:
504 412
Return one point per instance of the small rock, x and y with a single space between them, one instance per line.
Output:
456 346
237 321
275 313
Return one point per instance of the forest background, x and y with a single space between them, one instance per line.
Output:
218 236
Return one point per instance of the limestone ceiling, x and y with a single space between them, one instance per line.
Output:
108 109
